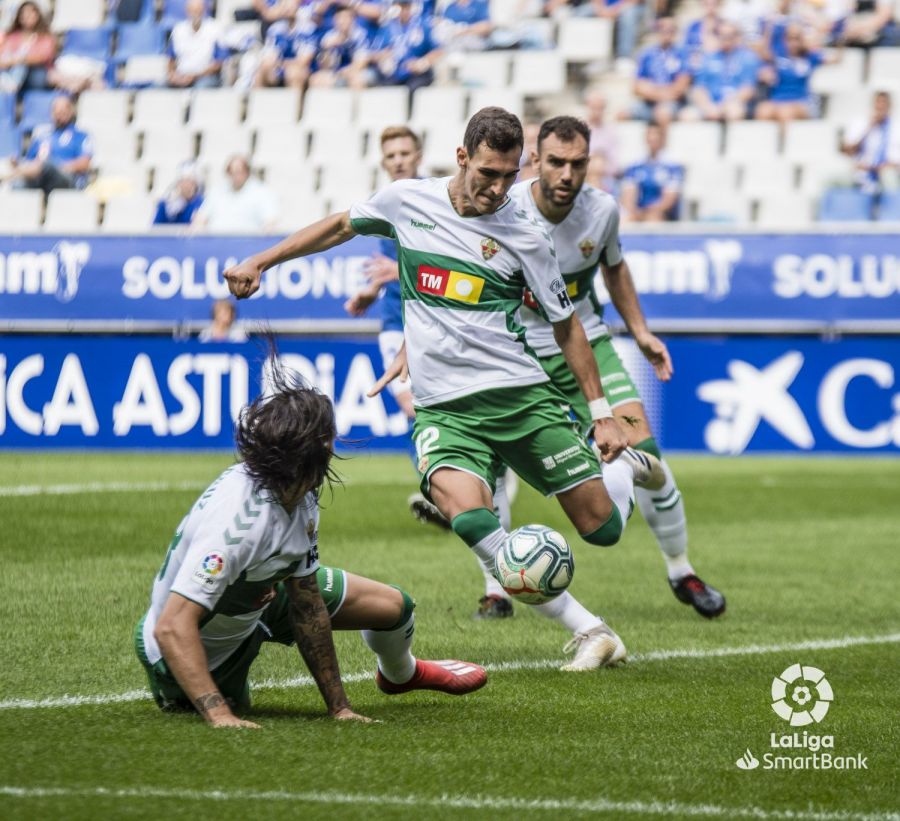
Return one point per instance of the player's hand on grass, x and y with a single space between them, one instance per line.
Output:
657 354
609 438
231 720
243 279
397 369
380 270
346 714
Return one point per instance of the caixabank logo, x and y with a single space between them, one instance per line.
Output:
801 696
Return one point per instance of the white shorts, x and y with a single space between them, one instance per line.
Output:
389 343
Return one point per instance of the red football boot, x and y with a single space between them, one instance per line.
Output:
449 676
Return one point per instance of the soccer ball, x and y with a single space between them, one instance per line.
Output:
535 564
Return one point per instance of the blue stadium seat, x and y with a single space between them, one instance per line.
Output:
173 11
845 205
138 39
36 109
10 143
889 207
88 42
7 110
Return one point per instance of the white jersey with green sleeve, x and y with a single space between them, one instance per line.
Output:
227 555
588 236
461 281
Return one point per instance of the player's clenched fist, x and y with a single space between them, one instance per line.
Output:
609 438
243 279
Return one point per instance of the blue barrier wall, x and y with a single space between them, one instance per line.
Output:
729 394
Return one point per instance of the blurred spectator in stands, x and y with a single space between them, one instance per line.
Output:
182 200
465 25
27 51
725 82
662 77
242 205
787 76
628 16
702 35
342 55
531 130
224 327
874 145
598 176
59 155
275 11
603 136
651 189
288 54
869 23
750 17
195 51
405 49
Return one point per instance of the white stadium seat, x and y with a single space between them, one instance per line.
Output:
70 212
103 109
586 39
806 139
157 108
703 176
538 72
20 211
286 144
631 145
327 106
335 145
486 69
751 141
217 145
146 70
722 205
432 105
298 209
166 144
441 143
785 210
884 69
842 109
115 178
775 176
687 141
114 145
129 214
845 75
377 108
341 185
820 174
215 108
504 97
273 107
73 14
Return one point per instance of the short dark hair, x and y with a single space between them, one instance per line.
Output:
565 128
286 436
496 128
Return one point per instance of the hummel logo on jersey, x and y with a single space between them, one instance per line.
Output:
449 284
427 226
586 246
489 247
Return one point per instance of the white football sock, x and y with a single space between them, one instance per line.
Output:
619 480
567 611
486 550
501 502
396 662
491 586
663 511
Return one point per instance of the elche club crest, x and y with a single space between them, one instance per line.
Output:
489 247
587 246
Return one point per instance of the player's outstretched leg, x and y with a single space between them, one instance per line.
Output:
593 641
495 603
663 510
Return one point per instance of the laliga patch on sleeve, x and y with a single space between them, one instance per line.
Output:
209 569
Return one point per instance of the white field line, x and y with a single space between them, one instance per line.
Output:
500 667
475 802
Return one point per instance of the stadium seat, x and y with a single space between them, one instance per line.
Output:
842 109
158 107
538 72
441 142
20 211
703 176
431 105
630 142
114 145
805 140
173 11
85 42
116 178
751 142
70 212
773 177
488 69
822 173
686 141
335 146
784 211
270 107
36 109
164 143
128 214
889 207
225 10
106 109
297 209
722 205
505 98
884 69
845 205
215 108
7 110
10 142
586 39
138 39
286 145
217 145
845 75
327 106
343 185
377 108
73 14
145 70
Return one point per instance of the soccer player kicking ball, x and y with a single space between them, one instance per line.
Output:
583 223
243 569
465 253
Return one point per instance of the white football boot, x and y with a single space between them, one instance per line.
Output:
647 469
598 647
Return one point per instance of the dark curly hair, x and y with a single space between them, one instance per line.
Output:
286 436
496 128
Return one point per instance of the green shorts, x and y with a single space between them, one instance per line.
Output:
232 676
616 381
527 428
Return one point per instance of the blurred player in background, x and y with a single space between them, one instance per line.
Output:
243 569
482 398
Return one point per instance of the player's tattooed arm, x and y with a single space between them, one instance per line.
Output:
208 701
311 625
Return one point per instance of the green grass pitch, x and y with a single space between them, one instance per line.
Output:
805 549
